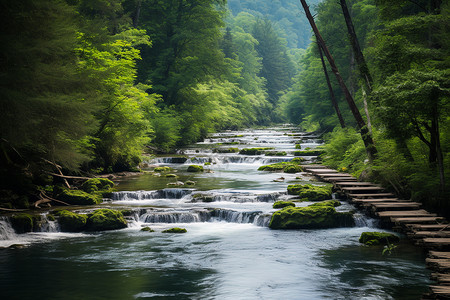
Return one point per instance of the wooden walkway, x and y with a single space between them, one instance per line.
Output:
424 228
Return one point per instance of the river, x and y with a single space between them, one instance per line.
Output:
228 251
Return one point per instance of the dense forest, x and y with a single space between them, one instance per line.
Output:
88 86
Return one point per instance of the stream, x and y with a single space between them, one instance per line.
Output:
228 251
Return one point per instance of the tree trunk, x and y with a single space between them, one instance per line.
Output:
137 14
362 65
330 88
365 135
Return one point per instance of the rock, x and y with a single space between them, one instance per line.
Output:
309 192
178 183
254 151
175 230
190 182
310 217
148 229
171 176
162 169
77 197
281 204
22 223
195 168
202 197
97 184
105 219
70 221
378 238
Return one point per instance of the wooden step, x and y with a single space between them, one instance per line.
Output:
407 220
322 171
325 175
380 200
362 189
438 264
372 195
441 278
405 213
439 254
394 205
334 179
429 227
440 290
356 183
314 167
431 234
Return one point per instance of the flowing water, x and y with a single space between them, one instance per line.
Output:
228 251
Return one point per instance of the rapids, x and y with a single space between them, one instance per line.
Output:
228 251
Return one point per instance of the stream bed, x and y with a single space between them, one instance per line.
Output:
228 251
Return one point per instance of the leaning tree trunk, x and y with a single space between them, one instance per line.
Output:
330 88
365 135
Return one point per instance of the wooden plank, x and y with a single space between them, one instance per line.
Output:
312 167
377 200
333 179
440 254
443 279
440 290
323 171
393 205
431 234
362 188
405 213
372 195
357 183
437 241
429 227
334 175
405 220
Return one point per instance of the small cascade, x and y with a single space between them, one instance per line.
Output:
362 220
146 195
237 197
167 160
48 225
175 217
235 216
6 230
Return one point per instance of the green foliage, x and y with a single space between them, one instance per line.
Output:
282 204
309 152
309 192
175 230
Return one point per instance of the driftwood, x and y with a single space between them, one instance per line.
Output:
43 198
68 177
12 209
58 167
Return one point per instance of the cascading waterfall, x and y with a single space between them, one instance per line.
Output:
145 195
6 230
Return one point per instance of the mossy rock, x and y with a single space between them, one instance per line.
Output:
22 223
298 146
189 182
171 176
70 221
105 219
77 197
148 229
332 203
282 204
195 168
287 167
378 238
254 151
228 150
310 217
162 169
309 192
207 163
97 184
202 197
274 153
293 169
309 153
175 230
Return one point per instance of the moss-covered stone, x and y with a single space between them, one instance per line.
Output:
293 169
162 169
97 184
202 197
77 197
254 151
175 230
195 168
287 167
105 219
309 152
148 229
332 203
310 217
171 176
22 223
227 150
309 192
70 221
275 153
282 204
378 238
190 182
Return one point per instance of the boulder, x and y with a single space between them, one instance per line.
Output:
282 204
105 219
97 184
195 168
378 238
175 230
77 197
309 192
70 221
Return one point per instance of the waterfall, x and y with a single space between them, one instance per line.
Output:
175 217
6 230
235 216
145 195
47 225
362 220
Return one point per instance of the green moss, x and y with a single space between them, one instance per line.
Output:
332 203
207 163
70 221
162 169
293 169
195 168
105 219
254 151
202 197
175 230
309 192
281 204
287 167
298 146
310 217
171 176
378 238
309 152
97 184
190 182
77 197
22 223
274 153
148 229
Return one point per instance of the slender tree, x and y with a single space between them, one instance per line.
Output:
365 134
